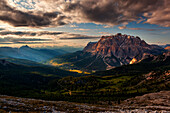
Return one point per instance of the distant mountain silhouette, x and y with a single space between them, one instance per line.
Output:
26 52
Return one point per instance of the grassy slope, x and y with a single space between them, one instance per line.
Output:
22 80
21 61
117 84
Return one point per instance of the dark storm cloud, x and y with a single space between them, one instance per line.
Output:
115 12
18 18
108 12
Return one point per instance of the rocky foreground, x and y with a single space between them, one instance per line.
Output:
148 103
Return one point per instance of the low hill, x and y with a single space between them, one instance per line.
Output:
20 61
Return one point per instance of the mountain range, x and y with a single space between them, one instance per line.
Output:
109 52
28 53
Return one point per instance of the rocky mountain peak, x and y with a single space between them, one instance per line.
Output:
121 48
25 46
115 44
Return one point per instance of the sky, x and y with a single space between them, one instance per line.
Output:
57 23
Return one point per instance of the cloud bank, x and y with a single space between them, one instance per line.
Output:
45 13
146 29
40 37
13 40
29 33
17 18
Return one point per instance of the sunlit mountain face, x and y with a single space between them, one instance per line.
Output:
57 23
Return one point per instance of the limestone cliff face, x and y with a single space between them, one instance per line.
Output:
121 49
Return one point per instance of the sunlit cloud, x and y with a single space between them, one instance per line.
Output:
81 29
11 38
146 29
105 33
73 26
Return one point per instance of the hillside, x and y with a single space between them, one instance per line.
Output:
112 86
20 61
28 80
122 82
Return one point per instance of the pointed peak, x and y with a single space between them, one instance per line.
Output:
119 34
25 46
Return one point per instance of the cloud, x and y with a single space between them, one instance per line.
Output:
122 27
115 12
29 33
73 26
146 29
107 26
81 29
45 13
39 34
13 40
1 29
76 37
40 37
19 18
105 33
160 16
